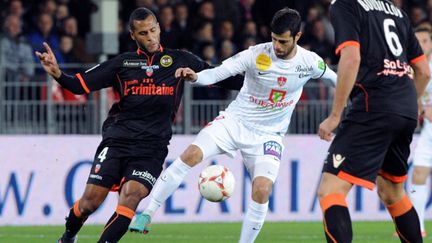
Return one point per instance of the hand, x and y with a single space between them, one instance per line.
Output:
49 61
327 127
186 74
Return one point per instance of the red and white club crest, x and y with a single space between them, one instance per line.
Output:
281 81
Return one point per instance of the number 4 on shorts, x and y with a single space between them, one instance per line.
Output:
102 154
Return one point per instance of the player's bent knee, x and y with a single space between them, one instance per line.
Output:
331 184
192 155
389 192
87 207
261 189
420 175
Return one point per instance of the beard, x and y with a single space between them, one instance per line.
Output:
285 54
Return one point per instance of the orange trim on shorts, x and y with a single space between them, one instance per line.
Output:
418 59
345 44
116 188
76 210
400 208
332 200
83 84
393 178
355 180
125 211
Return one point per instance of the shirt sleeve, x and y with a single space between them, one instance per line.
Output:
346 22
318 65
240 62
234 65
100 76
194 62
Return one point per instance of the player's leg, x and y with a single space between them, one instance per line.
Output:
257 209
418 192
332 196
174 175
262 160
103 175
391 180
400 208
354 158
212 140
132 192
92 198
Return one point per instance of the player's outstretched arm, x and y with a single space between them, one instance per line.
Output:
349 64
50 65
329 77
49 61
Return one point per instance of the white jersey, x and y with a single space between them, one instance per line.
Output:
272 86
427 97
427 101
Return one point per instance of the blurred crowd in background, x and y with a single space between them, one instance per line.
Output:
211 29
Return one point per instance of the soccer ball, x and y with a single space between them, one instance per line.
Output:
216 183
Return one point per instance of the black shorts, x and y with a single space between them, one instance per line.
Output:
368 144
114 165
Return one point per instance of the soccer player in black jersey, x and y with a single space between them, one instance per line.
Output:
378 50
138 128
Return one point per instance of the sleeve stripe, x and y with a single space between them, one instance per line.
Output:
83 84
345 44
418 59
322 74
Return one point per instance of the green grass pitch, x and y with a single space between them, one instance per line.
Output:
208 232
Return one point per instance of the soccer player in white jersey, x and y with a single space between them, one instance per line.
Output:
255 122
423 153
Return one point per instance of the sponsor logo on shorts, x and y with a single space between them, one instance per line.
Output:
97 168
145 175
337 160
273 148
97 177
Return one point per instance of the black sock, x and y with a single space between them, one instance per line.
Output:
337 223
337 220
408 227
73 224
117 225
406 220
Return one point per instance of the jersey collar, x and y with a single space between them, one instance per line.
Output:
141 52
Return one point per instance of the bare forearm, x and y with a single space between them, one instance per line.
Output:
346 77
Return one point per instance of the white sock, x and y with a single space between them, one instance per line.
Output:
167 183
253 221
418 196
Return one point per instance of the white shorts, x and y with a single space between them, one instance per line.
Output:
423 150
261 151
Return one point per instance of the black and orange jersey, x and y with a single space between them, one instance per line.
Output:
149 93
387 46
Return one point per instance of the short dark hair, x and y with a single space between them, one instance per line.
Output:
139 14
285 20
424 28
